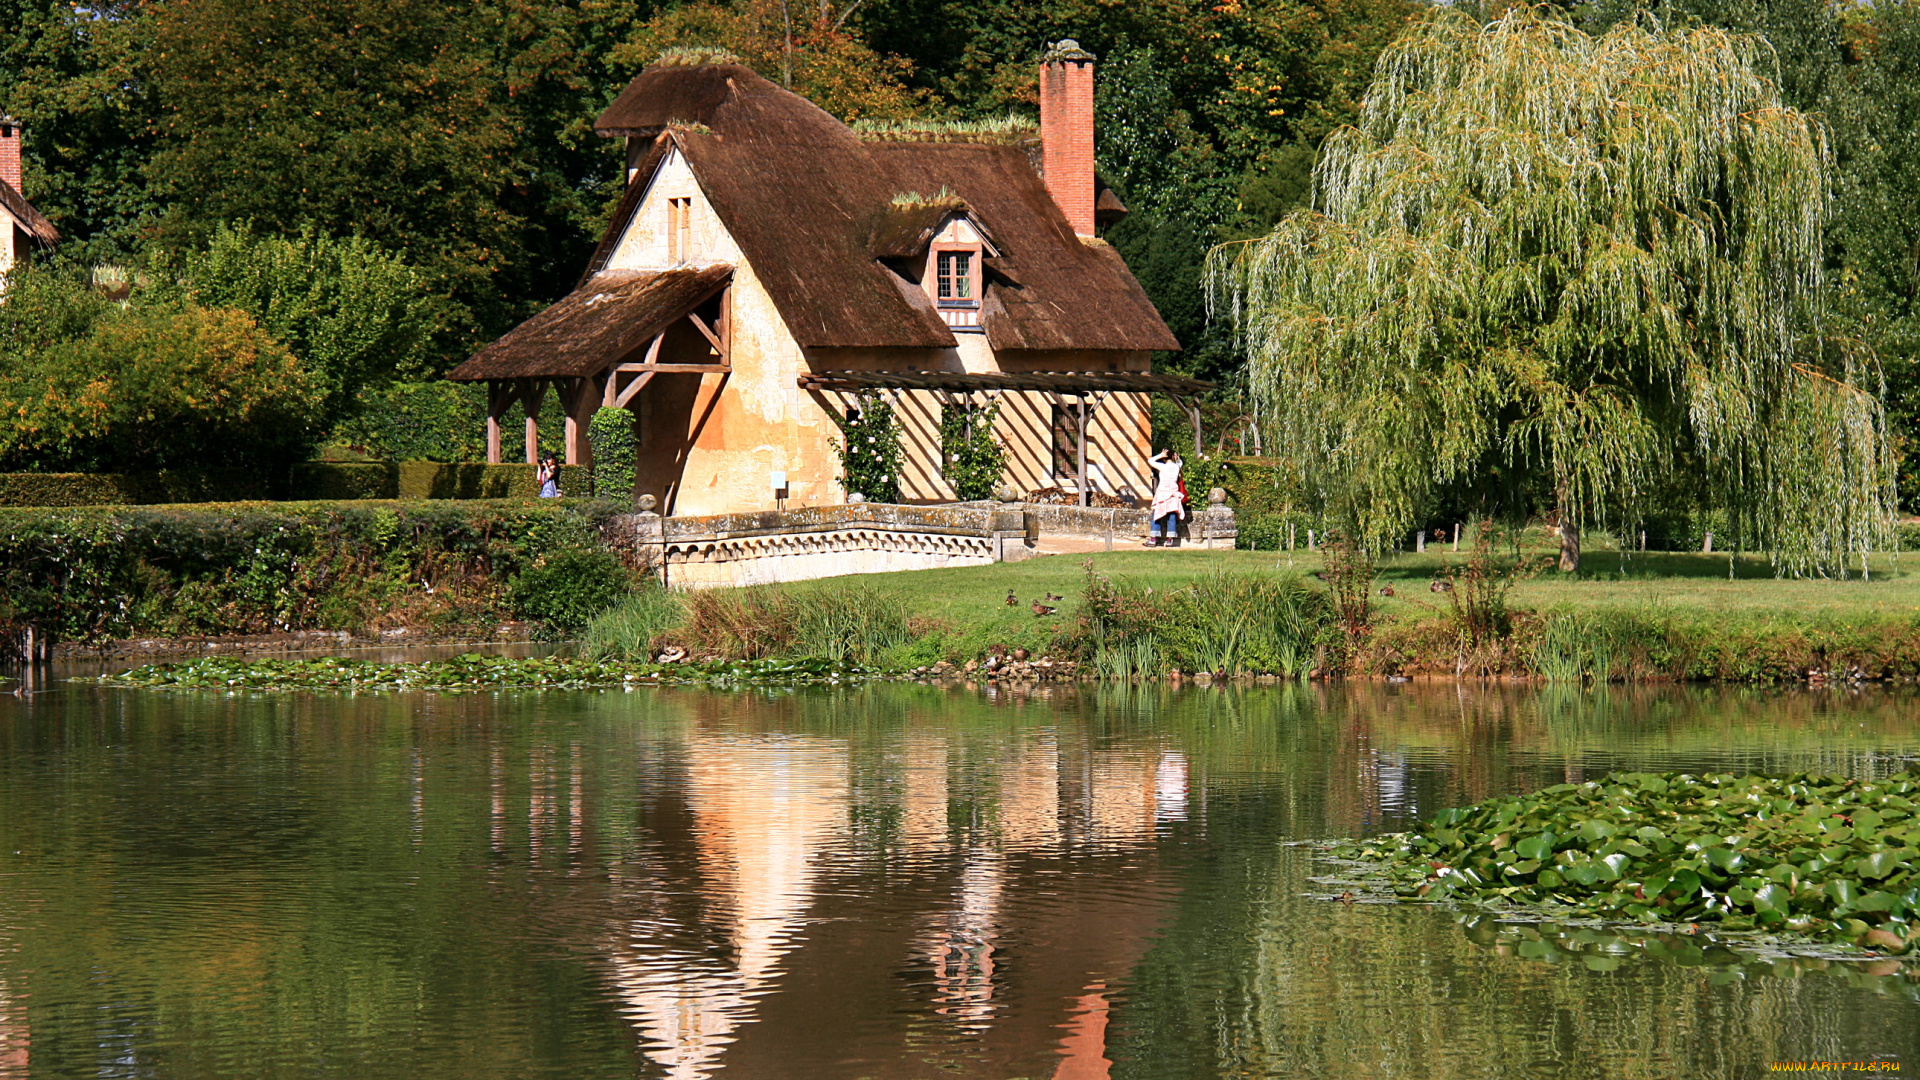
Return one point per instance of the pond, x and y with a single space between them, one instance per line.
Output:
887 881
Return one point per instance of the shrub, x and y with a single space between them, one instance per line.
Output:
87 574
157 387
125 489
615 453
567 589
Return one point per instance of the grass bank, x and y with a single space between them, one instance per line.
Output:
1626 617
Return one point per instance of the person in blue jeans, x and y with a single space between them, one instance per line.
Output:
1169 501
548 476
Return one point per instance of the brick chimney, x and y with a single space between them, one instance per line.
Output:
10 151
1066 131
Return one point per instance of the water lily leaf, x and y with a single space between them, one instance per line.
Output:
1601 963
1879 864
1616 864
1594 829
1772 898
1842 892
1535 847
1724 859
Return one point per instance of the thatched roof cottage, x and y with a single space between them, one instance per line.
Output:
770 267
22 228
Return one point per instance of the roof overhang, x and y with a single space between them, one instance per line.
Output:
600 325
1058 382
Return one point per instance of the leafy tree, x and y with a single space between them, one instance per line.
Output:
807 49
88 385
1597 262
351 312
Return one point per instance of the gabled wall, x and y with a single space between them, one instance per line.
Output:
710 443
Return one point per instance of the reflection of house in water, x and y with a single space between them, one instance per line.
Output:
14 1035
754 937
763 807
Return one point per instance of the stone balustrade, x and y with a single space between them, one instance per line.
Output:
869 538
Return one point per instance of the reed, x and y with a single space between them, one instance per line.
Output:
631 629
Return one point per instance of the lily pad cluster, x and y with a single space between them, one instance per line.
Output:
1820 858
471 672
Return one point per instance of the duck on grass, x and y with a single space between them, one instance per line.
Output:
1802 859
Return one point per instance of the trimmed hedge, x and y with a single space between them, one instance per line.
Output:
329 481
85 574
123 489
340 480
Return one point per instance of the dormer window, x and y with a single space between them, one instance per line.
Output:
955 278
955 265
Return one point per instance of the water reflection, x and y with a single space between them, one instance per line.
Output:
886 882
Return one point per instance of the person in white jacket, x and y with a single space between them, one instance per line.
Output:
1168 504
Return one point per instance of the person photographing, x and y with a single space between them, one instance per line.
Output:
1169 499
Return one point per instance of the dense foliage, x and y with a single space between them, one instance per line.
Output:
615 453
349 311
90 385
1569 270
420 421
870 451
91 574
1819 857
972 457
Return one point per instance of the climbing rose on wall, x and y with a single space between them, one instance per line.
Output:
869 449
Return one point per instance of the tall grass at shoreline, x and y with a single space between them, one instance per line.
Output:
1250 619
851 622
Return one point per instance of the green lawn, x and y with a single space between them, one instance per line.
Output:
1607 579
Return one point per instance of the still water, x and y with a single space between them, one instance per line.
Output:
888 881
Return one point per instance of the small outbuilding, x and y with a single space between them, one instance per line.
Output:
770 268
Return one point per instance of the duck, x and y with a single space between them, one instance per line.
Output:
1054 598
1440 586
1012 600
1040 609
1386 590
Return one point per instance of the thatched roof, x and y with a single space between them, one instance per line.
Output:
607 320
805 198
32 222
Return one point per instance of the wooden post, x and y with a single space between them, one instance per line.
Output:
1080 421
496 404
531 397
580 404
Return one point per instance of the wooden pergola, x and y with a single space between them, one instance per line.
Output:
1085 390
599 348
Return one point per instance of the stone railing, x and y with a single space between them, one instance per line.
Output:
1212 526
870 538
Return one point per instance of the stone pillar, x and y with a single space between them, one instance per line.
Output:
1215 528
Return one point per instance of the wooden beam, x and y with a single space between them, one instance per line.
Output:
633 388
639 369
707 332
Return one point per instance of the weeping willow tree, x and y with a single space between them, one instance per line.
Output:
1591 262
